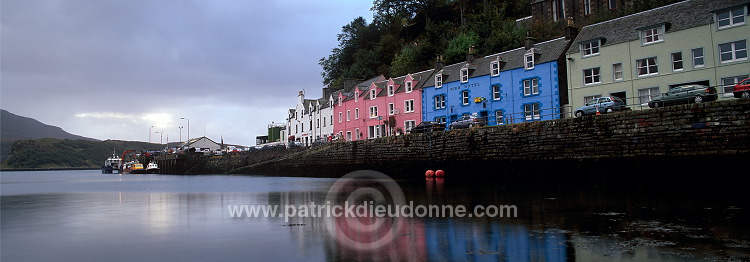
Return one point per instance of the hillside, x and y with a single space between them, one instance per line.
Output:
15 127
57 153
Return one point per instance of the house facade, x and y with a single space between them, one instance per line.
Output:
640 56
310 120
380 107
519 85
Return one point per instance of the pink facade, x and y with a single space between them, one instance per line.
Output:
382 108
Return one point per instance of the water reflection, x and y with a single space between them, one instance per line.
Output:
186 218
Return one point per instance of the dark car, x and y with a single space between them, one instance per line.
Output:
742 89
468 121
602 105
684 95
428 126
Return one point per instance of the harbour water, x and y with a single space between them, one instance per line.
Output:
88 216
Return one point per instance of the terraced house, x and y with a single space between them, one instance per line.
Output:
380 107
519 85
639 56
311 119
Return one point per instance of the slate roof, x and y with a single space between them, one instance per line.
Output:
676 17
546 51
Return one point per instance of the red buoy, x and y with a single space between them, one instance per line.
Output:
429 173
440 173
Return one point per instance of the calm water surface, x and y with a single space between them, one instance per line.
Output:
87 216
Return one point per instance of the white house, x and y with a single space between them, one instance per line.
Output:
310 120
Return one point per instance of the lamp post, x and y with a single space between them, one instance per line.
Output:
188 127
161 137
180 134
149 134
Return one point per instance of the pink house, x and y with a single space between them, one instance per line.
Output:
380 107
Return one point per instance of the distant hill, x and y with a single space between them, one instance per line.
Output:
67 153
14 127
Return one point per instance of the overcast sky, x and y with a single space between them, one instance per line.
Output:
112 69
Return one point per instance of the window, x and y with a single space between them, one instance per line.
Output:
439 80
373 112
734 51
677 61
374 131
586 7
390 90
558 10
439 101
645 95
531 86
531 111
698 57
409 124
464 97
587 99
356 97
340 118
495 68
591 76
464 75
652 35
728 83
356 133
372 94
590 48
409 86
409 106
495 92
391 109
356 113
731 18
529 61
348 135
348 113
499 117
647 66
440 119
617 71
612 4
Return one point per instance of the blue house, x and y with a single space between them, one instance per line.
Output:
520 85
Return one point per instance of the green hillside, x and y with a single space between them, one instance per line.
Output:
57 153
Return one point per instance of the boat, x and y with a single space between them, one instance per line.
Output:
112 164
152 168
133 167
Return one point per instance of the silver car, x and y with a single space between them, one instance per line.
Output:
468 121
602 105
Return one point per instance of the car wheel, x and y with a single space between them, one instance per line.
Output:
579 113
608 110
657 104
471 125
698 99
746 94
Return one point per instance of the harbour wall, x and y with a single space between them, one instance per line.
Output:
683 138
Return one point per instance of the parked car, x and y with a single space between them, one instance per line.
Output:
742 89
468 121
428 126
684 95
602 105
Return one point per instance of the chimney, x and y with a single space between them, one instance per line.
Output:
472 55
439 63
529 41
571 31
301 97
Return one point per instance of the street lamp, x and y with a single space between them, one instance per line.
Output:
180 134
149 134
161 136
188 126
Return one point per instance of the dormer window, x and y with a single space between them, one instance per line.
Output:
529 60
390 90
439 80
590 48
409 86
464 75
495 68
372 94
652 35
356 96
731 18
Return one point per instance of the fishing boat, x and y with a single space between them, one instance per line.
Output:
133 167
112 164
152 168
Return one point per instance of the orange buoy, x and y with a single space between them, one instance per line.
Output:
440 173
429 173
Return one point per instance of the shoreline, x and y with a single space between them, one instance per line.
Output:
49 169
